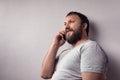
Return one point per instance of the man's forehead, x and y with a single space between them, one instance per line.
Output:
72 16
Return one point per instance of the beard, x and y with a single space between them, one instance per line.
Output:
75 35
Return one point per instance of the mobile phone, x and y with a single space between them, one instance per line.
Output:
64 37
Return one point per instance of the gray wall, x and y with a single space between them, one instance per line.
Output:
28 26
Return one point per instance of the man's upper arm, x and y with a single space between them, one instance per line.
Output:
93 63
92 76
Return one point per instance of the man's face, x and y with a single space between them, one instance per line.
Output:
73 29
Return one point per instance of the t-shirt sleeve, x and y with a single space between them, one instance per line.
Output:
93 59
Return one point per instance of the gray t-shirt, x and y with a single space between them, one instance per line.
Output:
87 57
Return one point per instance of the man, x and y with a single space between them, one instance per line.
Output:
84 61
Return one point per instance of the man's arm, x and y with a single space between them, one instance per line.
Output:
92 76
93 62
49 62
48 65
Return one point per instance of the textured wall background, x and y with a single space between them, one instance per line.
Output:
28 26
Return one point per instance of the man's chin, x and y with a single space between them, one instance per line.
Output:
70 39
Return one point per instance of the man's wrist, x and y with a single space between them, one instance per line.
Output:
55 45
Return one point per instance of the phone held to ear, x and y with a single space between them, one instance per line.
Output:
64 37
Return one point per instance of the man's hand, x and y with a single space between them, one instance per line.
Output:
58 39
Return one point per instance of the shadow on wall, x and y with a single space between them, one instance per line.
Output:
113 69
113 72
93 32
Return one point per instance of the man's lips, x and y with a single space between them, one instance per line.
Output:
68 30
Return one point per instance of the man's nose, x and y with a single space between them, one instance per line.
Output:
67 26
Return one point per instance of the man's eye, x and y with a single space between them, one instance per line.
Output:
72 21
65 24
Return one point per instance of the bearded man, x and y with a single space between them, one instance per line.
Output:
85 60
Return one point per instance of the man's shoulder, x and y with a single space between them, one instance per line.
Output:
90 44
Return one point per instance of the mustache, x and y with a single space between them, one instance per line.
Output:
68 29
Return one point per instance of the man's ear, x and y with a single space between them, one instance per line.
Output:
85 26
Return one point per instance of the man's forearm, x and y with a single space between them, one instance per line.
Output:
49 62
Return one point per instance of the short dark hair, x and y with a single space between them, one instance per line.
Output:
83 18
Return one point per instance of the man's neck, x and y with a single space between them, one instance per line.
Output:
82 40
79 42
